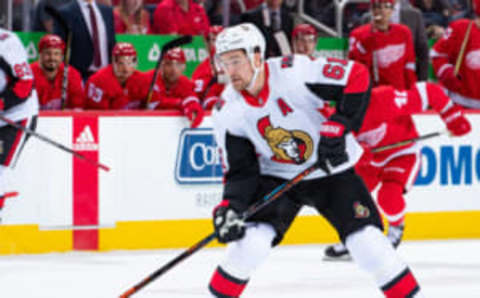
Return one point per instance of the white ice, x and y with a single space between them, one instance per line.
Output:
445 269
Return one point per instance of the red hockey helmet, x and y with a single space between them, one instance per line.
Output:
176 54
304 29
51 41
124 49
476 7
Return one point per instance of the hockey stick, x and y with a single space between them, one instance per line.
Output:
252 210
51 142
66 58
409 141
462 49
166 47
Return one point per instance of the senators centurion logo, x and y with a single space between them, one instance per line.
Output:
288 146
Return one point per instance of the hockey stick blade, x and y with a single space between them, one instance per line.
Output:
252 210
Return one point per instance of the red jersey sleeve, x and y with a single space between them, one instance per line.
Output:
76 94
443 49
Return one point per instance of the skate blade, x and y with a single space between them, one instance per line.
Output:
344 258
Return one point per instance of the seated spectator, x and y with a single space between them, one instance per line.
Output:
180 17
276 25
118 86
130 17
175 90
209 80
304 39
49 75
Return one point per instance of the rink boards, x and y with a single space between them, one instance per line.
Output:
165 179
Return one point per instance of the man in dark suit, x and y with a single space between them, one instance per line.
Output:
276 25
93 35
404 13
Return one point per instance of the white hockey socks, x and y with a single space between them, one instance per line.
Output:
371 250
242 258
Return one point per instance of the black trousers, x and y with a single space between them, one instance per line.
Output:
342 199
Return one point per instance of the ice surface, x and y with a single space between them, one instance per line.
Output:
445 269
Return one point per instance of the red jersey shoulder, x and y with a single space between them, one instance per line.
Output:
185 81
202 70
361 31
74 73
103 76
460 24
399 28
35 66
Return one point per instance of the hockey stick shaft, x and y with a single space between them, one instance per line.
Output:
52 142
252 210
458 63
409 141
166 47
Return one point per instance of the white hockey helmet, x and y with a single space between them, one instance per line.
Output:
245 36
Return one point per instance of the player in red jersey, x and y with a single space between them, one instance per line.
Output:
119 85
396 169
304 39
174 90
463 87
207 77
49 75
386 48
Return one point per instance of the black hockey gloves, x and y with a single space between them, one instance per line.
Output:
228 225
332 146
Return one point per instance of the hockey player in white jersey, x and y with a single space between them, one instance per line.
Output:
18 102
269 129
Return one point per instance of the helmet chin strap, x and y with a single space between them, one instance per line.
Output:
256 72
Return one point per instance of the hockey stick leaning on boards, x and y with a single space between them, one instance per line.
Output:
252 210
409 141
177 42
52 142
462 49
66 58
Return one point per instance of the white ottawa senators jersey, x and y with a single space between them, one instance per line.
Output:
283 122
24 101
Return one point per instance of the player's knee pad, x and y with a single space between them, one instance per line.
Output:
391 201
245 255
242 258
372 251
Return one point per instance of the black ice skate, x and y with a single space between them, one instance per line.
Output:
395 234
337 252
